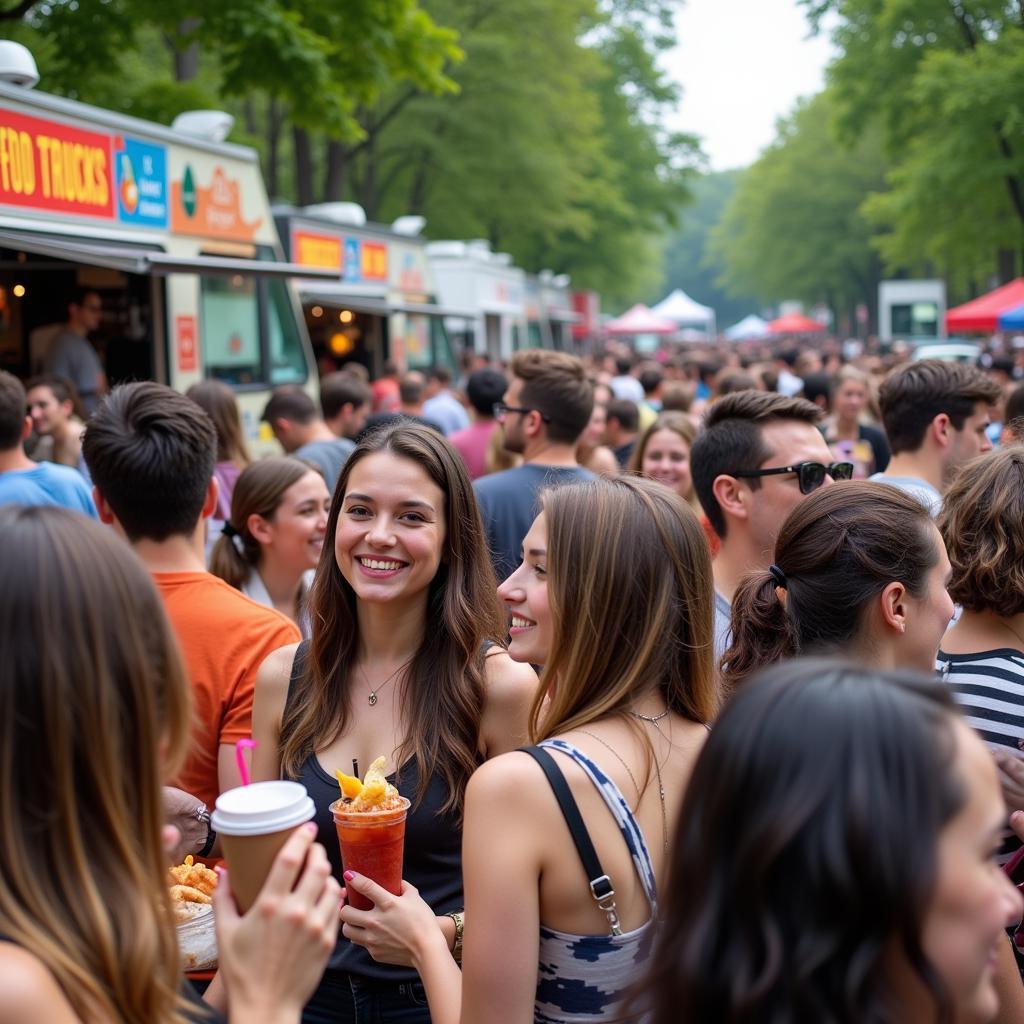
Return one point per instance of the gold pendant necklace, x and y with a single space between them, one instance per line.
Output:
372 699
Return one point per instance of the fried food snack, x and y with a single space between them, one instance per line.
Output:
374 793
194 876
186 894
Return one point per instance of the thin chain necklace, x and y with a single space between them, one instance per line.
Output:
654 720
372 699
657 769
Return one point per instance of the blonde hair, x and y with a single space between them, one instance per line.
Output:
631 597
94 714
679 423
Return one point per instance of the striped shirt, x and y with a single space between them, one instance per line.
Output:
989 687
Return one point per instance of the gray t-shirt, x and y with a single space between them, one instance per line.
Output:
508 504
722 626
916 488
327 456
70 355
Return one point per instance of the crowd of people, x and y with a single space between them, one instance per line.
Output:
703 673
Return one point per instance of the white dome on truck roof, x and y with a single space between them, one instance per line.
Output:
212 125
340 213
17 65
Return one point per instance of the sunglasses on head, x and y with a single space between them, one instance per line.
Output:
811 474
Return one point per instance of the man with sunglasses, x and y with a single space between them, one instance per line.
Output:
546 407
757 456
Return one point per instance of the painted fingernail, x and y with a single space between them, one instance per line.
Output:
218 869
349 875
311 828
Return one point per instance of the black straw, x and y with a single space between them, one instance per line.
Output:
355 767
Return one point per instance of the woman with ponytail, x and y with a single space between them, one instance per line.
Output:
271 543
858 569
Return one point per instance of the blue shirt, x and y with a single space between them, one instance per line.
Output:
447 412
47 484
508 505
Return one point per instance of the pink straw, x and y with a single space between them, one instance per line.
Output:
240 747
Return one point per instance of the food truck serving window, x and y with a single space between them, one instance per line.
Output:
250 330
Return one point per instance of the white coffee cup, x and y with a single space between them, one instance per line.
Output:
253 823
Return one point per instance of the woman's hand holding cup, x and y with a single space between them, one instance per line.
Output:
273 956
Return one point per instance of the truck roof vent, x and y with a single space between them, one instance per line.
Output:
340 213
17 65
211 125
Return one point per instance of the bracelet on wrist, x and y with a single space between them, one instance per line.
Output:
456 916
202 813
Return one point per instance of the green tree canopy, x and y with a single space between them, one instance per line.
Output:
794 228
943 79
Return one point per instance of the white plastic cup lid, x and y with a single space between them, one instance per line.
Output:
262 808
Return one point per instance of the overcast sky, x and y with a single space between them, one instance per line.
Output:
742 64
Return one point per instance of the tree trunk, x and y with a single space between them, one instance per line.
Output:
369 197
273 150
334 178
303 166
186 62
1006 261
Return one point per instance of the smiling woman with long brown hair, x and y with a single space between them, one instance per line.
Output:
614 598
404 661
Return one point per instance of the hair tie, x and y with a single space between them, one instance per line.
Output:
777 575
235 537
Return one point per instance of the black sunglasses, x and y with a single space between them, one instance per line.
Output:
501 409
812 474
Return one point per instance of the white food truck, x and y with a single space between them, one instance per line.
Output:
173 231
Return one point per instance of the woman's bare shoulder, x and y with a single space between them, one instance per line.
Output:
31 994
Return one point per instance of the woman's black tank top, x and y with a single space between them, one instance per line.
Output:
433 847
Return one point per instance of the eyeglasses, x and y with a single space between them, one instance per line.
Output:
811 474
501 410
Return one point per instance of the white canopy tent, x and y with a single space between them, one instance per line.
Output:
686 312
749 328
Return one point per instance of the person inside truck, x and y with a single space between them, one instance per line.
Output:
70 354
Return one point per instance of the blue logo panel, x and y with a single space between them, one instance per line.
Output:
353 268
141 183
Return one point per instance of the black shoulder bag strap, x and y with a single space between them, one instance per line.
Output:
600 884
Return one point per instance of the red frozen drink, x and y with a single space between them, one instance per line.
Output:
372 843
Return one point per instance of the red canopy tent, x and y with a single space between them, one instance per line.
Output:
982 314
640 320
795 323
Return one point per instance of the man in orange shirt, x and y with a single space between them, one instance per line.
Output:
150 453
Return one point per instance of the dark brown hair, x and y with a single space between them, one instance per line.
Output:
912 395
731 441
342 388
838 549
150 452
807 853
218 401
290 402
13 410
443 689
614 544
556 385
62 389
982 523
